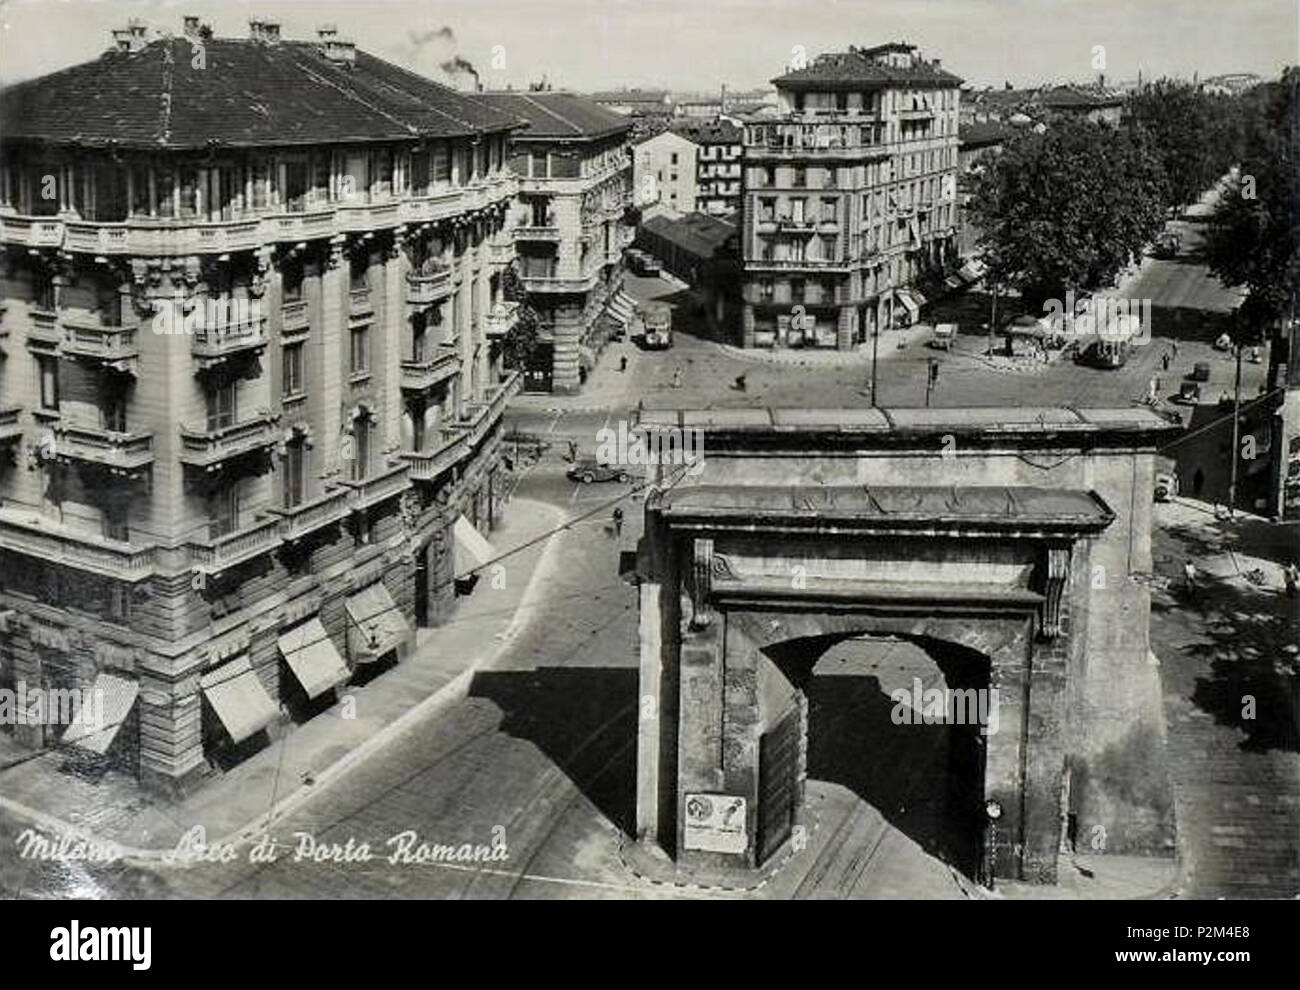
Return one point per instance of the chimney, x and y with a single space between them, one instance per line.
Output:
130 38
264 30
334 47
191 26
723 102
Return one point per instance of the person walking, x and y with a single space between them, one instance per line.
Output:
618 521
1164 362
573 450
1291 574
677 377
622 362
1189 576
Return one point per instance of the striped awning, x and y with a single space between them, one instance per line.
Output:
376 625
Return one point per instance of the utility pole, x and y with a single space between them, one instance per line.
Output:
875 347
1236 444
993 318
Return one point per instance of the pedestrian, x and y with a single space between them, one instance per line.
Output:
1153 388
677 377
618 520
1164 362
573 450
1189 575
1290 574
740 383
622 362
1175 350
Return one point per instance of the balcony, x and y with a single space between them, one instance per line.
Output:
43 331
530 233
503 318
220 343
26 532
312 515
424 290
501 253
301 226
449 449
555 283
379 487
796 225
360 306
293 317
208 449
438 363
87 338
923 113
127 454
11 430
253 540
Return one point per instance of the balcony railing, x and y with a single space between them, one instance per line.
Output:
208 448
312 515
503 318
424 289
124 453
501 252
380 486
253 540
220 343
437 364
448 450
88 338
27 533
44 327
533 233
10 428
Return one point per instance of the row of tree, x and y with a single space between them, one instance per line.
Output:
1069 207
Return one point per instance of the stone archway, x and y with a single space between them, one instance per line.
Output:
869 535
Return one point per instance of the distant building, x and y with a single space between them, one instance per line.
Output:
664 172
719 146
570 227
850 197
635 101
1095 104
976 141
702 251
1231 84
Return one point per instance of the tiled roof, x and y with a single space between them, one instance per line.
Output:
245 93
709 131
982 135
858 67
697 233
559 115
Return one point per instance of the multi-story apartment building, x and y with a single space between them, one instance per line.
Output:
850 195
570 226
664 172
251 387
719 147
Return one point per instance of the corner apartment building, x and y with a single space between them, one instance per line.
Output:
850 196
570 227
251 388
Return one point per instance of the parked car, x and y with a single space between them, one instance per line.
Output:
1166 245
1189 393
1166 486
589 469
944 334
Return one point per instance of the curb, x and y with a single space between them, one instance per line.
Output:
453 691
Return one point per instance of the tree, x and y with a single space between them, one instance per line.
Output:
1068 208
522 341
1254 232
1177 118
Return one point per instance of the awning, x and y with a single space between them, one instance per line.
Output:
472 548
97 727
311 655
909 302
377 624
237 696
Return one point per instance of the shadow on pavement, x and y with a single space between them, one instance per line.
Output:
585 721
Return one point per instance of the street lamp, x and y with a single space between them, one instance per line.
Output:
993 811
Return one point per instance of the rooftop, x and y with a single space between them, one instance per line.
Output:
878 66
244 92
698 233
558 115
709 131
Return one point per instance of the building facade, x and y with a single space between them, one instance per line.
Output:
719 147
850 196
664 172
251 383
570 227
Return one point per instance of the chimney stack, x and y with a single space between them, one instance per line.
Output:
130 38
191 23
264 30
335 48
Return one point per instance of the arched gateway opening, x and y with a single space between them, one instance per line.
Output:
998 554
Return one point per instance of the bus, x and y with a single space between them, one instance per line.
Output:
658 320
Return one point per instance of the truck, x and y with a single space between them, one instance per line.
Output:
657 318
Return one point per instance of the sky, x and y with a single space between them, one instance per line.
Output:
697 45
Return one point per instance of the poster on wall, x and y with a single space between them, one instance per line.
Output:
715 823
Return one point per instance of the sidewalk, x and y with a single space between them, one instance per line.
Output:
314 753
